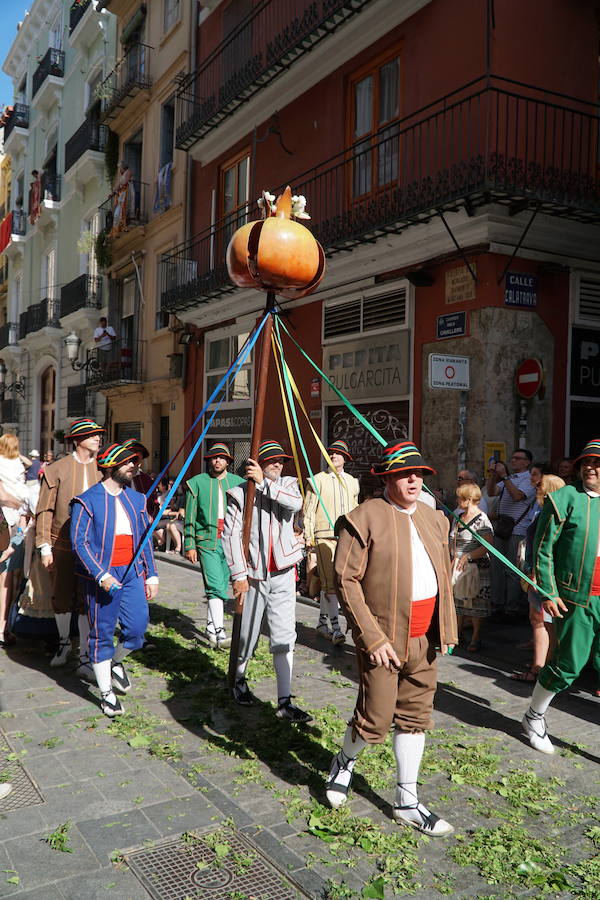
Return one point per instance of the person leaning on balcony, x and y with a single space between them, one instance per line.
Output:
61 482
104 335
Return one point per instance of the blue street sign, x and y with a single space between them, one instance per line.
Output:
520 289
451 325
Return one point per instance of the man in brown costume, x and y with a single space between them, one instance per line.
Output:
393 579
62 480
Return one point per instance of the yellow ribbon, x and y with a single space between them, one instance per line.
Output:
288 420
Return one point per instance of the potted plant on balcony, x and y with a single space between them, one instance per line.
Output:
103 250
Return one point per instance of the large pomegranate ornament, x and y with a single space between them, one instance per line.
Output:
276 253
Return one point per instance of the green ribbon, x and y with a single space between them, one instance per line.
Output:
383 442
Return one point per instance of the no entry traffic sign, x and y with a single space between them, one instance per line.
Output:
528 378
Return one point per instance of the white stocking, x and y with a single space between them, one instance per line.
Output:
342 764
541 699
103 675
240 671
63 624
284 664
334 606
84 633
214 615
408 750
120 653
323 607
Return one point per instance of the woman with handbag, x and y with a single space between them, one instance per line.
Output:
470 563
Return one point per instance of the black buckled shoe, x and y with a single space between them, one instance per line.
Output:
242 693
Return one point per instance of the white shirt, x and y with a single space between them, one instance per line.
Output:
424 579
105 342
123 526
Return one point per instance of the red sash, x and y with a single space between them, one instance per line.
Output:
422 613
595 588
122 550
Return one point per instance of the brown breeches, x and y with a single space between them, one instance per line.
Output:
403 698
325 552
65 596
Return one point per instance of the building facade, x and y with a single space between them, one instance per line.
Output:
450 168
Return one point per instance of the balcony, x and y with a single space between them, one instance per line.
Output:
43 315
9 335
267 42
120 364
130 76
501 143
80 402
84 151
16 129
19 223
47 79
76 14
50 193
126 209
81 299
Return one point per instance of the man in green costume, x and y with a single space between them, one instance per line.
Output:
567 566
205 506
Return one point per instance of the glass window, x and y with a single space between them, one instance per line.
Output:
170 13
221 352
375 103
234 195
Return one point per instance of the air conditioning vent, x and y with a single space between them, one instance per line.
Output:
589 299
384 311
341 319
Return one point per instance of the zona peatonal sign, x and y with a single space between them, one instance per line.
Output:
520 289
449 372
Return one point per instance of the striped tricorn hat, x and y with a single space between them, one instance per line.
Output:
219 449
116 455
271 450
339 447
400 456
84 428
592 448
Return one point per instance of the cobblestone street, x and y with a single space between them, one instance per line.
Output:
185 760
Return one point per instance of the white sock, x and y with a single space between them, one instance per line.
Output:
104 679
408 750
334 606
214 614
353 744
120 653
284 665
540 699
84 634
347 756
240 671
63 624
324 606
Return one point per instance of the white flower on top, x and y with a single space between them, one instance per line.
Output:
299 207
266 203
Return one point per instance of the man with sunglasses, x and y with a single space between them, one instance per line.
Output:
516 496
567 566
266 580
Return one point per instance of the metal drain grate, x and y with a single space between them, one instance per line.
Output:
213 866
25 791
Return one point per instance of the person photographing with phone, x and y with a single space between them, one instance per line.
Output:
393 577
104 334
516 496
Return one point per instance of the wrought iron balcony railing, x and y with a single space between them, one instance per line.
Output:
84 292
130 75
19 222
19 118
9 335
501 143
265 43
80 402
52 63
51 187
121 363
45 314
126 208
77 12
90 135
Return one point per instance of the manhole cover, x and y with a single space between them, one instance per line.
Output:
210 866
25 792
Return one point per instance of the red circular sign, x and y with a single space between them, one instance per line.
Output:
528 378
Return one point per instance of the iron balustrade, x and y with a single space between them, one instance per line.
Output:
51 187
84 292
266 42
90 135
19 222
76 13
123 211
52 63
9 335
19 118
121 363
130 75
45 314
485 143
80 402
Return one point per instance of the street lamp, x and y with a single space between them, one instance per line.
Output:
72 342
17 386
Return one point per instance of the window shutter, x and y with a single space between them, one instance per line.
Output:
588 300
385 310
343 318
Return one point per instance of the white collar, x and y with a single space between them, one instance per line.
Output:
407 511
81 463
120 491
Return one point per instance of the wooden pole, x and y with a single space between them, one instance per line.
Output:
260 395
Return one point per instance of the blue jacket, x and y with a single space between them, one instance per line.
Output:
93 530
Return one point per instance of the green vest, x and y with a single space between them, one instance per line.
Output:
566 544
202 509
